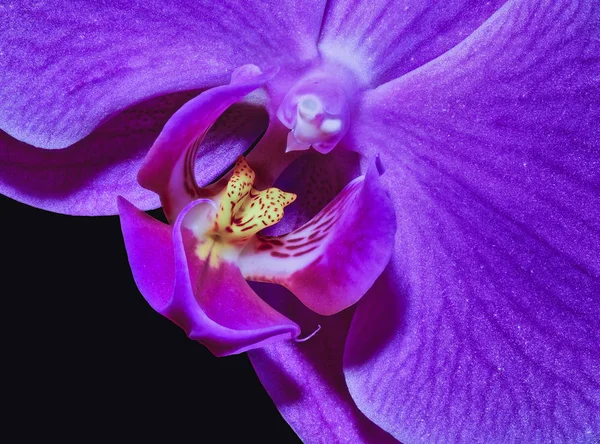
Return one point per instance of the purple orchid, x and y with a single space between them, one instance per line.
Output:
468 129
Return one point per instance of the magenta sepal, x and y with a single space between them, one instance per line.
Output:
329 263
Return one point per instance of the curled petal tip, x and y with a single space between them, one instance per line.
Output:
317 330
250 72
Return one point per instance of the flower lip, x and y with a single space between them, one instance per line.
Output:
235 215
198 281
215 250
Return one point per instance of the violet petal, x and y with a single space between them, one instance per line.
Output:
305 380
487 320
382 39
85 179
68 65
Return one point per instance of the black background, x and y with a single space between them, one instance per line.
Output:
85 357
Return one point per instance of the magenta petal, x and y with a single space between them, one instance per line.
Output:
384 39
488 321
214 305
68 65
169 170
306 382
331 261
149 245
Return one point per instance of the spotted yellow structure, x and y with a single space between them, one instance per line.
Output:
243 212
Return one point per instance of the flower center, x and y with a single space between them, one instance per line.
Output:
242 212
317 113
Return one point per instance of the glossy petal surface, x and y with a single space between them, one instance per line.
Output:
331 261
384 39
488 330
306 380
68 65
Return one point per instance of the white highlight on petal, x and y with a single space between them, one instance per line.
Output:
331 126
294 145
200 217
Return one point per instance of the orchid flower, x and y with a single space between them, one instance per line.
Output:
468 131
193 272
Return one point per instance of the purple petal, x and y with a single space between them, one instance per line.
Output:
169 170
213 304
305 380
331 261
382 39
68 65
86 178
488 321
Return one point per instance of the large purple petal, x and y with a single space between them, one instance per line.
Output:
384 39
306 380
86 178
66 66
488 322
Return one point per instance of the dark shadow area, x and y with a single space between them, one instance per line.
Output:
381 314
236 132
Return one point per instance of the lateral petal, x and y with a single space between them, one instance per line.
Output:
487 323
382 40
